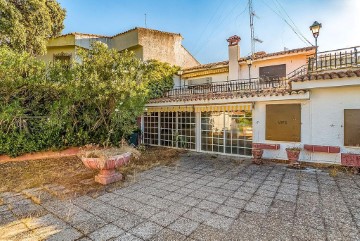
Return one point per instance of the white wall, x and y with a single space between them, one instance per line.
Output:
215 78
292 63
322 123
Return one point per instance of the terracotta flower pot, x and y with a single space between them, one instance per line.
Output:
107 173
257 154
293 156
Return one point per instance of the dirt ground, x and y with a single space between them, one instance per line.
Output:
71 173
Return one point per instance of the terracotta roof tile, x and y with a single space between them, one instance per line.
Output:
227 95
258 56
261 55
208 66
86 34
332 75
147 29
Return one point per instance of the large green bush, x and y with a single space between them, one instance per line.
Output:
94 101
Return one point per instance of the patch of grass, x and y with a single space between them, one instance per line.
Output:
71 173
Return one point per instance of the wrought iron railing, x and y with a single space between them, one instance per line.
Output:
335 59
254 84
302 70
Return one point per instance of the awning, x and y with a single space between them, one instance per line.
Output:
170 109
206 108
228 108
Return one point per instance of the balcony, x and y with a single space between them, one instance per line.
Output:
334 60
231 86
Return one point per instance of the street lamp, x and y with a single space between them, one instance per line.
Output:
315 29
249 62
180 72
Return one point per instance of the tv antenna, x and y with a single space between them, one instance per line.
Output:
253 38
145 21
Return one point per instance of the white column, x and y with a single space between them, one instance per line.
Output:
198 131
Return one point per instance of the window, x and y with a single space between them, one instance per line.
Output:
63 58
274 72
167 128
283 122
151 130
177 129
200 81
186 130
227 132
352 127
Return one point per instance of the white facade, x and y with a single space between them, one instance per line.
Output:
322 98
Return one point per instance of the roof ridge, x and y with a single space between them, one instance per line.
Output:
148 29
88 34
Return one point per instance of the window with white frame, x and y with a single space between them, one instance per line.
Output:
167 128
238 133
185 136
151 129
212 131
227 132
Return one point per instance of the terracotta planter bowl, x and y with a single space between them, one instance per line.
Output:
293 157
257 154
107 173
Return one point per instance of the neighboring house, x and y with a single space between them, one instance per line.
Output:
270 101
146 43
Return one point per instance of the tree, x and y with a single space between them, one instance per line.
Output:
160 76
26 24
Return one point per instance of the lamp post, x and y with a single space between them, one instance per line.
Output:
180 72
249 62
315 29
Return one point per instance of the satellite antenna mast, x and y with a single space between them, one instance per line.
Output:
251 14
145 21
253 38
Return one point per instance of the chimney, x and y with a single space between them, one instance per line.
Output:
234 55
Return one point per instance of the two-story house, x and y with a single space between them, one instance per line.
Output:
145 43
272 101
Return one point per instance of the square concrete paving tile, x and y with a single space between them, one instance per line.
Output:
126 237
216 198
208 206
167 234
242 195
147 211
228 211
107 232
62 235
146 230
256 208
190 201
174 196
128 221
44 221
90 225
164 218
178 208
184 226
197 215
219 222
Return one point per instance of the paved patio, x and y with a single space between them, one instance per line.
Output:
203 197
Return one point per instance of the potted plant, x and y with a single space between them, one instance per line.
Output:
107 160
293 154
257 154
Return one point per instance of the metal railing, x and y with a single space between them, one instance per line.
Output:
302 70
254 84
335 59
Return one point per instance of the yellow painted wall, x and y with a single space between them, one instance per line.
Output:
62 41
57 50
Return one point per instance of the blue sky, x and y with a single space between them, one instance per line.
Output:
206 24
